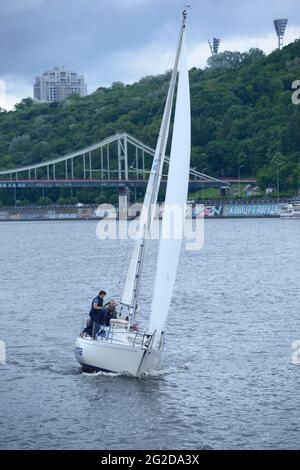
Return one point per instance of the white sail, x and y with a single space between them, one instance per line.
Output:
176 194
129 292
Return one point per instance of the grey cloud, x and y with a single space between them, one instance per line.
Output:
86 35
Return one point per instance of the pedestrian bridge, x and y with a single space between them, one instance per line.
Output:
118 161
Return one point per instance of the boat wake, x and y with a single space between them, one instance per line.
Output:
151 373
102 373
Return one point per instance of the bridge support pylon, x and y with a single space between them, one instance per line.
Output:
123 202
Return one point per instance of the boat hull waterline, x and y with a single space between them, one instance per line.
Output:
120 359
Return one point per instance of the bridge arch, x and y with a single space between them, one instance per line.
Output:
97 166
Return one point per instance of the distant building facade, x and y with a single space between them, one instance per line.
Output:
57 84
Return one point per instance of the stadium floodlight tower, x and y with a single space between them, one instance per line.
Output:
214 46
280 26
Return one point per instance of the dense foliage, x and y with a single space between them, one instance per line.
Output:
242 114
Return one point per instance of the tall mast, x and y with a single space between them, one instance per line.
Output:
176 197
154 180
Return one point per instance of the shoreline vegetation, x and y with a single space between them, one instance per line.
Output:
242 117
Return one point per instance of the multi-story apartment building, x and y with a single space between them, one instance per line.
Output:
58 84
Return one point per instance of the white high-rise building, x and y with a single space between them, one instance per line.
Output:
58 84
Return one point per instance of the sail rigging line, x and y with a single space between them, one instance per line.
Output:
132 283
151 113
176 195
160 161
125 261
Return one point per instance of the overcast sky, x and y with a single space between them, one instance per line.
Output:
112 40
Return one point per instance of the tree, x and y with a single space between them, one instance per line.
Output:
24 104
242 113
44 201
20 143
226 60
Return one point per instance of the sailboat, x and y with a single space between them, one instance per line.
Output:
120 348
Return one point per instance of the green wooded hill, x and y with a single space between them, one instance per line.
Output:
242 114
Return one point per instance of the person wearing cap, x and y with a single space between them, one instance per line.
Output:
97 305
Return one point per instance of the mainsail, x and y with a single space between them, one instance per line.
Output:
176 196
132 282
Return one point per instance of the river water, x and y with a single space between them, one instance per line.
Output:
229 380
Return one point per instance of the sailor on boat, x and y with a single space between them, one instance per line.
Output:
97 304
98 301
100 317
109 313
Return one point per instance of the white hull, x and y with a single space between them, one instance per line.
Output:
119 358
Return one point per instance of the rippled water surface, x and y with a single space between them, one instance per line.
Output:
228 379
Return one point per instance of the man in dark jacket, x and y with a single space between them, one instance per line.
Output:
103 316
97 305
100 317
98 301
